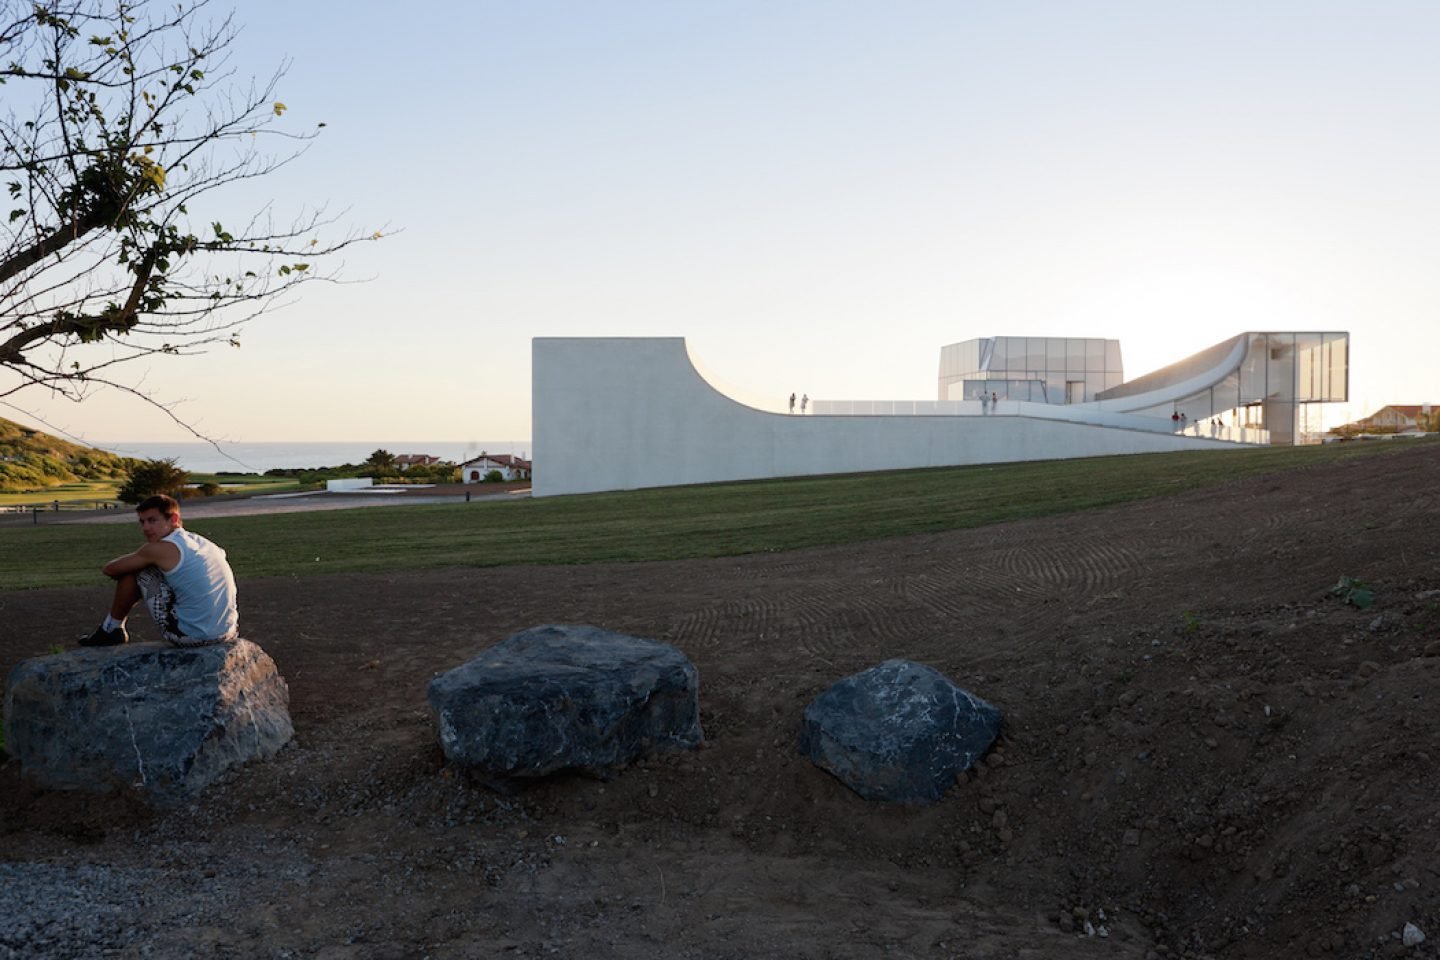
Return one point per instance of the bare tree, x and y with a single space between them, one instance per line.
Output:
119 121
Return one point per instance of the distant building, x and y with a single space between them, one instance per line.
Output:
1399 418
407 460
509 467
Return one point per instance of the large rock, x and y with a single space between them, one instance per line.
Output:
557 698
163 720
898 732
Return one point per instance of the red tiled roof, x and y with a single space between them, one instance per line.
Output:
501 459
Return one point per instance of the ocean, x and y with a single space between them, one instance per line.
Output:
200 457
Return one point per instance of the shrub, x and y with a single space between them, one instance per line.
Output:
494 476
149 477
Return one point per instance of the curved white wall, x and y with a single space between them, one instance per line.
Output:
624 413
1154 401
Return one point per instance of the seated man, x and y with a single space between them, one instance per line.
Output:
184 578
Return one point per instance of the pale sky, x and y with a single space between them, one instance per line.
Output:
819 195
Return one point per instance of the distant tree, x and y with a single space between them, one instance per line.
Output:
119 123
494 476
434 473
149 477
382 461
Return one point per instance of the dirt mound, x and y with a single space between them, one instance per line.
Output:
1206 752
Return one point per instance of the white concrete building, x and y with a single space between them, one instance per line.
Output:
626 413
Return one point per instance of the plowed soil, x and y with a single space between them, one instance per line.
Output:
1206 753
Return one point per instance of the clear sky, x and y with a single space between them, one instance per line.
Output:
818 195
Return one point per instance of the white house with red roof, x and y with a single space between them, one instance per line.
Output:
509 467
1401 417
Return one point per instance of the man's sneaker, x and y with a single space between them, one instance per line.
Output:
105 638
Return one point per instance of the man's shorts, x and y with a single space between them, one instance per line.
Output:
160 601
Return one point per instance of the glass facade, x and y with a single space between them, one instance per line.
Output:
1274 378
1036 369
1277 375
1271 387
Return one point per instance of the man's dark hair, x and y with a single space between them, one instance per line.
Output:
163 502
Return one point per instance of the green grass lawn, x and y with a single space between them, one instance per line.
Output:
85 491
88 492
666 524
247 483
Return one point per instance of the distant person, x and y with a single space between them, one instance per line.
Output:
1175 421
994 401
984 404
792 403
804 402
1183 423
183 578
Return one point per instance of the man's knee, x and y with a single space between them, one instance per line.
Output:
150 581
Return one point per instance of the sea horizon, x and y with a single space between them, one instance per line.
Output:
197 456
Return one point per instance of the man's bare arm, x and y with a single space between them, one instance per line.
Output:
160 554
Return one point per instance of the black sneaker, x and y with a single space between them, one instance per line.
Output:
105 638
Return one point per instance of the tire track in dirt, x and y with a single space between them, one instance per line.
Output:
820 623
952 599
1075 567
1019 581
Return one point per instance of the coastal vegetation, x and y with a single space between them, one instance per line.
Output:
312 478
36 467
381 466
672 523
33 461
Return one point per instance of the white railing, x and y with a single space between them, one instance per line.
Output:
1087 414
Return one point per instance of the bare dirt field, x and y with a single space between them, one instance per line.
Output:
1206 754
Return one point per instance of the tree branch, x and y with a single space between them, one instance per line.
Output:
56 241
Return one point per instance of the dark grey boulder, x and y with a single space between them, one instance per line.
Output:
898 732
163 720
555 698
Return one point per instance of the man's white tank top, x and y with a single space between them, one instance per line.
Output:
204 588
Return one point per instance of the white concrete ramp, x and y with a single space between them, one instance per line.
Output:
617 413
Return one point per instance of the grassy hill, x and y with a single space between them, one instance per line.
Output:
34 461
